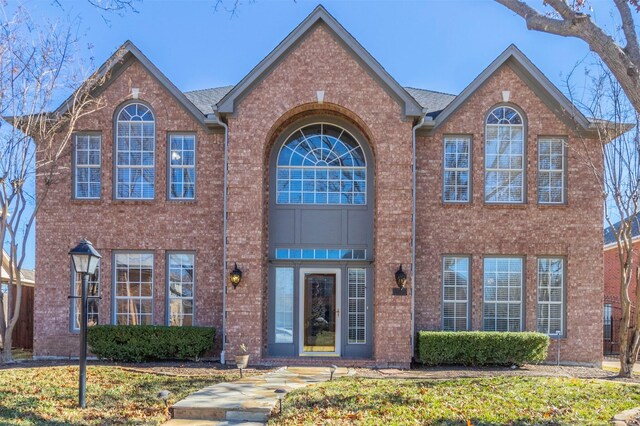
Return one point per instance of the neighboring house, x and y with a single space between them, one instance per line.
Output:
22 336
612 310
302 174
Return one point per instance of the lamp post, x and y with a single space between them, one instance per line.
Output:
85 261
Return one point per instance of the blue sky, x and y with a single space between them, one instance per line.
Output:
433 44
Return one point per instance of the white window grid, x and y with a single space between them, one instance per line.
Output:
455 293
329 172
88 166
502 310
284 305
135 153
357 306
133 294
93 305
321 254
181 289
504 157
550 295
182 185
551 170
457 154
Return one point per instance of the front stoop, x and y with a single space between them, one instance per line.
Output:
250 399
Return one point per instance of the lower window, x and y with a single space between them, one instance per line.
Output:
551 295
133 288
93 304
181 286
284 305
455 293
357 306
502 309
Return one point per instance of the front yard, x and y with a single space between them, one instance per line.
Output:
49 395
481 401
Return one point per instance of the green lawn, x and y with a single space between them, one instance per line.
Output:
487 401
49 396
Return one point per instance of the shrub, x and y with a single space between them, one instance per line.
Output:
481 348
137 343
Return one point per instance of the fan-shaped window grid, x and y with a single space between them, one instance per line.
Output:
135 153
181 293
504 157
321 164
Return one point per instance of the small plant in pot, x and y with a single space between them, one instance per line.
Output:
242 358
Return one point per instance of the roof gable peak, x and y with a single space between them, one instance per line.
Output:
320 15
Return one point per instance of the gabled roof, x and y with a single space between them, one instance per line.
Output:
526 70
119 61
320 15
205 99
28 276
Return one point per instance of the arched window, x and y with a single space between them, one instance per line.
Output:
135 152
504 157
321 164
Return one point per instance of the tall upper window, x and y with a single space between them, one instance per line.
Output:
87 163
502 294
551 295
182 161
135 152
321 164
551 173
457 151
504 157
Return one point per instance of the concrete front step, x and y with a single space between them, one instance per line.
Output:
185 422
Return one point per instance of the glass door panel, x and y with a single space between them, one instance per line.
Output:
319 313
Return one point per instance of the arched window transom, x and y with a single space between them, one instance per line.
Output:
504 156
321 164
135 152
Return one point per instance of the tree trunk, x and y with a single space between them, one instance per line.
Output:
6 356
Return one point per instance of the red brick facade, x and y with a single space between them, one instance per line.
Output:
286 94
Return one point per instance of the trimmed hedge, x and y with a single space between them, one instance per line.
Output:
481 347
137 343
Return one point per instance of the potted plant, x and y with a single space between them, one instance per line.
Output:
242 358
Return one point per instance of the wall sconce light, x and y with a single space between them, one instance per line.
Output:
235 276
401 281
401 277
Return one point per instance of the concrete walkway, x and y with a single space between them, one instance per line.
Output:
246 401
610 363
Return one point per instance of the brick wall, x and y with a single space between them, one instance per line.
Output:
157 225
319 62
573 230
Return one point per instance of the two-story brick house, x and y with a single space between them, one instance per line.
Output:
319 175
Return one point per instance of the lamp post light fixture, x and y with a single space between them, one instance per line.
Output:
85 261
235 276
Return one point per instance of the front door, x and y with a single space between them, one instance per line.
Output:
320 312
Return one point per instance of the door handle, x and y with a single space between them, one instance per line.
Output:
338 313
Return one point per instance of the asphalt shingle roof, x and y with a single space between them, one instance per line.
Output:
610 237
432 101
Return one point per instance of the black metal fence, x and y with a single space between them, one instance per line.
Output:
611 341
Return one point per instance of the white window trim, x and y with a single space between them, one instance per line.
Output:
168 289
119 167
114 282
508 303
86 166
182 166
562 171
364 312
523 169
550 303
446 169
457 301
